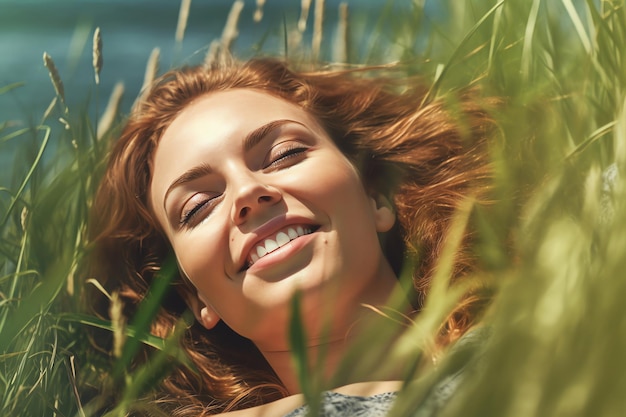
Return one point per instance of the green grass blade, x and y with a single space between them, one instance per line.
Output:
20 190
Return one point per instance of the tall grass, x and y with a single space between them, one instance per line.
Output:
553 245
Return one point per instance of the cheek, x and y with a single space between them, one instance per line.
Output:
342 188
336 180
340 194
200 256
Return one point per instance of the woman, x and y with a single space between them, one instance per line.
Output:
261 182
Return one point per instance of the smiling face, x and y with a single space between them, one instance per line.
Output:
257 201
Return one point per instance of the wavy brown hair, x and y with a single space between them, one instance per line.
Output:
425 155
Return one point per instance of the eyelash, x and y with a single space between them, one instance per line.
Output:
286 153
189 215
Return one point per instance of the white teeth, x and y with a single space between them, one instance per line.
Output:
270 245
281 239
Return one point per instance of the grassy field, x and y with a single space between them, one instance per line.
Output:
553 245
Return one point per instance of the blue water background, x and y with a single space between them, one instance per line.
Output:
130 30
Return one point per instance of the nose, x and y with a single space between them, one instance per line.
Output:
252 196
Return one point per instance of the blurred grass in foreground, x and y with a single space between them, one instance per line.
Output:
553 244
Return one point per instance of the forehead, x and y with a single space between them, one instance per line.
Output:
233 112
216 124
226 115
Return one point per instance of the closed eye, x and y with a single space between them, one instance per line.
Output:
285 155
189 217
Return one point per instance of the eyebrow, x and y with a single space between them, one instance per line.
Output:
257 135
249 142
190 175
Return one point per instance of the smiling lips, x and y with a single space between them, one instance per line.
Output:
281 238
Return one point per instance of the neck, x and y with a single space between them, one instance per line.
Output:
328 354
332 335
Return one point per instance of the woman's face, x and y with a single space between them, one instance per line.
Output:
257 201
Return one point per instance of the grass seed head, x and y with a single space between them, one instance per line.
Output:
118 322
152 69
108 117
230 32
183 16
318 24
97 54
258 13
304 14
54 76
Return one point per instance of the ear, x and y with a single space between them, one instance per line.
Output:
384 214
200 308
203 312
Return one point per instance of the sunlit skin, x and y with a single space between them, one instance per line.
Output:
233 169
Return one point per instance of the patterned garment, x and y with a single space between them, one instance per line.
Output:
340 405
